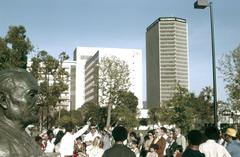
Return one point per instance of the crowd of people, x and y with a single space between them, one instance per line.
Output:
17 109
89 141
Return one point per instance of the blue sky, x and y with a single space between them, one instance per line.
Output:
62 25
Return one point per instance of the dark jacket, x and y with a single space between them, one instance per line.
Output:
171 149
119 150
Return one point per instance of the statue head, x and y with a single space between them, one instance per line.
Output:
18 96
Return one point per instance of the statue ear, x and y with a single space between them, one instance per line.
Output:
3 100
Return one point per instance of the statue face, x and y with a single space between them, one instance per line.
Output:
23 97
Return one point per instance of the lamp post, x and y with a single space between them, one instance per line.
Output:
202 4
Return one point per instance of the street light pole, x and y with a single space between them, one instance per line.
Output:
202 4
214 66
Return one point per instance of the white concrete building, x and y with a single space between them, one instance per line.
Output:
67 97
133 57
70 95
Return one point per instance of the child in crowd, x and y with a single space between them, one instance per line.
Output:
134 148
178 151
153 151
38 139
79 148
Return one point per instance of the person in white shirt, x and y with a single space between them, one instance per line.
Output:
180 139
67 143
50 142
88 139
211 148
106 138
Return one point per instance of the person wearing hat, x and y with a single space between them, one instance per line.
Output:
233 146
119 134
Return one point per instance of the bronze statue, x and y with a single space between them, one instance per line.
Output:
18 96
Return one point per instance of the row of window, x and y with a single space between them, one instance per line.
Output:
166 23
168 50
167 31
167 46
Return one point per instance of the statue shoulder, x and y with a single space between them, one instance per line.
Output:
4 151
15 143
6 144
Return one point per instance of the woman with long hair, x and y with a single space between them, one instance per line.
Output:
97 148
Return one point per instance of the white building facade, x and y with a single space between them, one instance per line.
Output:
85 88
67 97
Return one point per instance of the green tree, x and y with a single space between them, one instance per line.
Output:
127 98
90 110
203 108
181 109
14 48
52 77
95 112
185 109
230 69
154 115
113 77
126 111
65 117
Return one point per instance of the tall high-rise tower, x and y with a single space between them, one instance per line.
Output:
167 58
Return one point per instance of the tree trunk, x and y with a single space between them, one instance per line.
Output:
109 115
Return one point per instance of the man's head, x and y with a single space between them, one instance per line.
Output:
170 137
177 131
50 134
93 128
194 137
119 133
163 131
38 139
156 133
18 96
69 127
212 133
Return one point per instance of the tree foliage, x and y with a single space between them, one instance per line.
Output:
203 107
113 77
126 111
63 117
180 108
95 112
230 68
154 115
52 78
14 48
128 99
185 110
90 110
